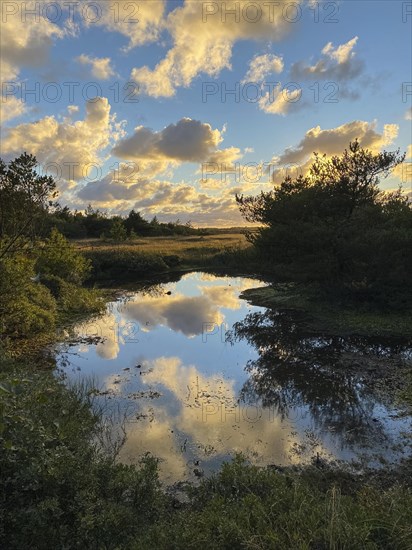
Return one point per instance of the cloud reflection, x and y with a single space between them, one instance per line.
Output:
202 420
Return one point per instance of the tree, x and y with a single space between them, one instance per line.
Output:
135 222
334 225
25 198
58 258
96 222
118 231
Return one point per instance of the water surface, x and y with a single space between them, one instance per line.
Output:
195 374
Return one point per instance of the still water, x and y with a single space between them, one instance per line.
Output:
191 373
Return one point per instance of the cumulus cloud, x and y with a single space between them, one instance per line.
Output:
26 39
100 67
164 199
332 142
280 100
338 63
263 65
140 22
11 107
72 146
114 189
203 37
186 141
335 140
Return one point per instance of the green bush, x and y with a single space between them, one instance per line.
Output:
124 264
245 507
26 307
58 258
59 489
73 299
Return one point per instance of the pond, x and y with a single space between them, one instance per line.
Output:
191 373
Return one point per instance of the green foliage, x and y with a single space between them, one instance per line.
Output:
136 223
118 230
26 307
37 293
73 300
58 258
247 507
58 489
94 223
335 227
25 198
125 264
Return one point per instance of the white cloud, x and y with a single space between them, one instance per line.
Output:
100 67
26 39
280 100
203 41
341 54
10 107
333 141
338 63
263 65
73 146
141 22
164 199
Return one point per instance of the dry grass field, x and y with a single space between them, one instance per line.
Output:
187 247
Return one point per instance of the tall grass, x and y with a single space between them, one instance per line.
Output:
154 256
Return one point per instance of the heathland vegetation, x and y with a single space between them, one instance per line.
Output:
331 242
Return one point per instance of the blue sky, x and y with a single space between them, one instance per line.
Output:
336 71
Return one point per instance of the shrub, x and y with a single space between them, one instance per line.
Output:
125 264
72 299
58 258
58 489
26 307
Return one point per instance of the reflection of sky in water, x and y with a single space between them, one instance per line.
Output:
163 360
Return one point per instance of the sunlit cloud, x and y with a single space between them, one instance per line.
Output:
203 41
185 141
11 107
332 142
68 148
262 66
280 100
26 41
140 23
100 67
338 63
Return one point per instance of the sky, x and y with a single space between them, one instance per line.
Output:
172 107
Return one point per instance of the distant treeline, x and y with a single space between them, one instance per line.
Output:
94 223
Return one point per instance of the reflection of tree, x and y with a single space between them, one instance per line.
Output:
322 374
155 287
